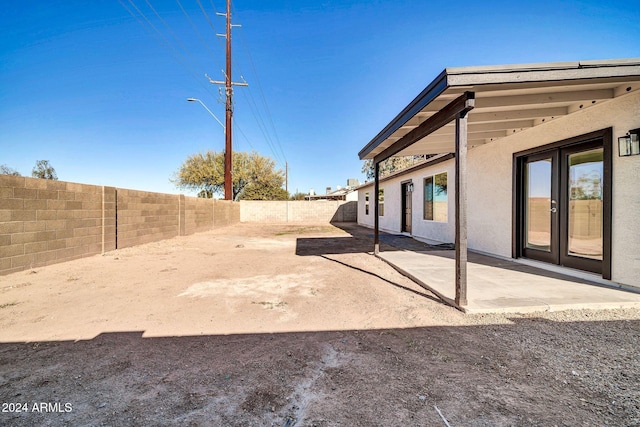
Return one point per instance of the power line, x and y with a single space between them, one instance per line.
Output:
204 12
195 29
255 110
159 37
264 100
166 44
211 24
261 126
244 135
177 39
179 52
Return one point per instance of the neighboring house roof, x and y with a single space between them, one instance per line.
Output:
338 194
508 99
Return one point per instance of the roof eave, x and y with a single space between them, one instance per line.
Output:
503 74
432 91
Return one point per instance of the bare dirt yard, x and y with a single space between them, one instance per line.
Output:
283 325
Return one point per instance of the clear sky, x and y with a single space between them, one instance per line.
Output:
101 93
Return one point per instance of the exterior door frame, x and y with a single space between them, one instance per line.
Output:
518 220
406 218
552 256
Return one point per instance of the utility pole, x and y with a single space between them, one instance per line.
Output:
228 83
286 177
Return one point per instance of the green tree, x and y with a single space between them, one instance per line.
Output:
255 177
44 170
6 170
392 164
297 196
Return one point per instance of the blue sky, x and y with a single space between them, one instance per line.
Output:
88 87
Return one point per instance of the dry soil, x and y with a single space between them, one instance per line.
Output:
281 325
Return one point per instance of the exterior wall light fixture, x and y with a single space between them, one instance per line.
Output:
629 145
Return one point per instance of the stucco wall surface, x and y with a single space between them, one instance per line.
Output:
432 231
490 182
364 218
390 220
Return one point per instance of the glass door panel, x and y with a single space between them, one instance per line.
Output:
538 205
585 190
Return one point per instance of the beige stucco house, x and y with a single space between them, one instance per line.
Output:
546 165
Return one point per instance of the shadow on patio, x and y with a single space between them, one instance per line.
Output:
494 284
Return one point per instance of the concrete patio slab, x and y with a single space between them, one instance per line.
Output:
502 286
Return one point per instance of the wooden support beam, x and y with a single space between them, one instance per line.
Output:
530 100
461 209
463 103
376 224
450 129
501 116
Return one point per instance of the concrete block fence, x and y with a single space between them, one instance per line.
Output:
44 222
317 211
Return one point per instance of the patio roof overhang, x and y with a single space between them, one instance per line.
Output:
467 107
508 99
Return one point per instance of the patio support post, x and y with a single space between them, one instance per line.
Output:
461 209
376 190
456 110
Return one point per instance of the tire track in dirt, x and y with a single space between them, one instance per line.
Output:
305 392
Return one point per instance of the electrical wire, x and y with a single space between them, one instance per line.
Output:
195 29
159 37
179 52
204 12
162 40
261 92
275 147
239 129
177 39
251 101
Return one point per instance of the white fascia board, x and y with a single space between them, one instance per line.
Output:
542 66
515 75
483 69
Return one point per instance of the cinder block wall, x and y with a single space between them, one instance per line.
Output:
263 211
198 214
320 211
109 215
145 217
225 213
44 222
